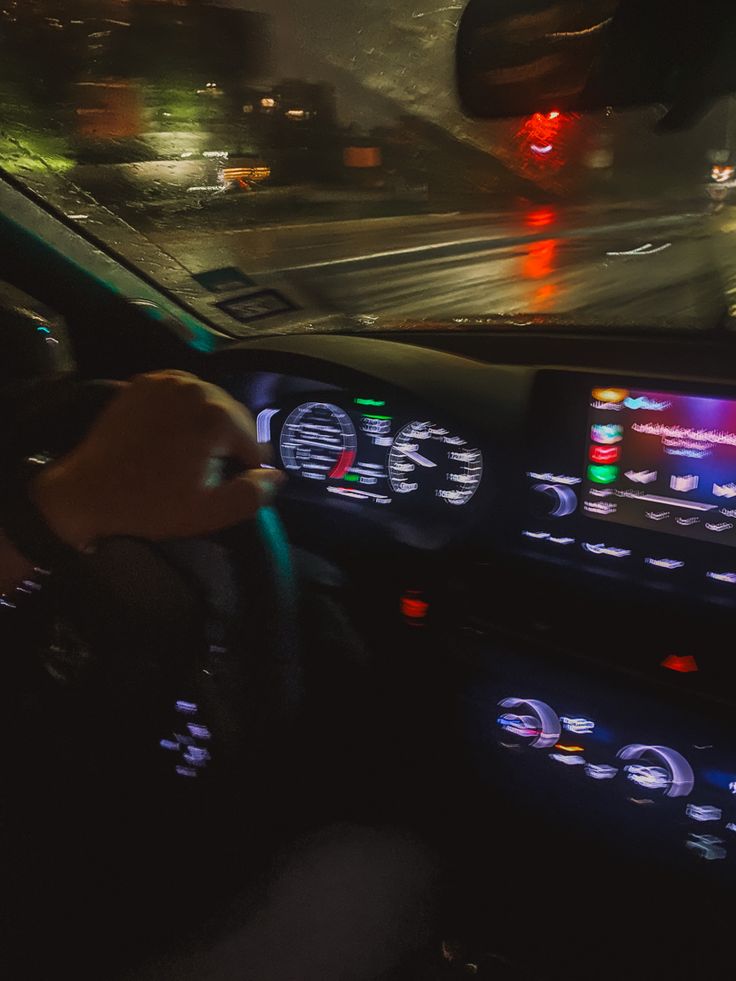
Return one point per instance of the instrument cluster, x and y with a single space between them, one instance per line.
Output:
360 449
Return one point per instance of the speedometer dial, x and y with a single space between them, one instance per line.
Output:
318 440
430 459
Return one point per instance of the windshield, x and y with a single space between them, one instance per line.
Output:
306 166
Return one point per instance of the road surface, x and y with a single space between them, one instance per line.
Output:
639 265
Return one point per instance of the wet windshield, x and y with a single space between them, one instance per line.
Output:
306 165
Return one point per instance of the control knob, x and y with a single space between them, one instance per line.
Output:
553 500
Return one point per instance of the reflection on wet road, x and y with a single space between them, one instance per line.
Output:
600 265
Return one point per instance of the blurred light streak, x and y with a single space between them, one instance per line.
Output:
543 298
539 259
582 32
540 217
647 249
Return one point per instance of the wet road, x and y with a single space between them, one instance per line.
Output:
636 264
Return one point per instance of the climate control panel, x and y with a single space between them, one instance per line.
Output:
590 748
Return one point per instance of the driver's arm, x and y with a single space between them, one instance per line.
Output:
145 469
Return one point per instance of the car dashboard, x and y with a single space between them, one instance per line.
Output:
572 532
625 476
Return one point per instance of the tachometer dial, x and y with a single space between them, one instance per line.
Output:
318 440
428 458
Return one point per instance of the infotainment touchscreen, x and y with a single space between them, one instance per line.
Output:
662 461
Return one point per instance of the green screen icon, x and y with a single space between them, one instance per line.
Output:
602 473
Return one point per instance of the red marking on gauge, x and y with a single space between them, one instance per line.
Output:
344 463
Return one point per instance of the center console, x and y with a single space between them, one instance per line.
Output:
599 685
635 478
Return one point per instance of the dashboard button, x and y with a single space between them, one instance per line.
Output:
703 812
670 565
708 847
611 550
683 663
547 536
727 577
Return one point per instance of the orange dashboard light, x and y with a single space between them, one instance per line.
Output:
569 749
684 664
610 394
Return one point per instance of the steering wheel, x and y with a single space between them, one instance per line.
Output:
213 619
176 681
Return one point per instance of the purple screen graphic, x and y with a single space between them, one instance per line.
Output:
662 461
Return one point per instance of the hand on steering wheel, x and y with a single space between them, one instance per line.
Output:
138 471
173 650
145 469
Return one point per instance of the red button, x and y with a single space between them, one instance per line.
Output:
413 607
684 664
604 454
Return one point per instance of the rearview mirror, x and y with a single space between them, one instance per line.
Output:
515 57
